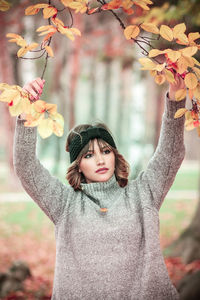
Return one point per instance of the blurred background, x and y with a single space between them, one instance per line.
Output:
95 78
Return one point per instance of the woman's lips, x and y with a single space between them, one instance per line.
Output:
102 170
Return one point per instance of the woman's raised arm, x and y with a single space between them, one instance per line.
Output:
46 190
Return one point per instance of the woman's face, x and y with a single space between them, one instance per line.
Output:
97 165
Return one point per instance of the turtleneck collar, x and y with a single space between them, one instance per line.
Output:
106 192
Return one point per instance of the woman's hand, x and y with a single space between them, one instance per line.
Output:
177 85
34 88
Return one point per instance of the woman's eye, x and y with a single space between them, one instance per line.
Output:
107 151
88 155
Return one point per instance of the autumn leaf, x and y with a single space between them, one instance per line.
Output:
169 76
79 6
155 52
191 81
45 128
34 9
197 71
166 32
113 4
49 11
149 27
66 2
180 112
197 92
58 124
49 51
173 55
147 63
4 5
189 51
143 3
180 94
16 38
131 32
160 79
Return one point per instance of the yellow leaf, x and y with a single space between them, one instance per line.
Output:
22 51
31 10
180 94
131 31
182 39
41 5
189 51
183 63
51 108
142 4
173 55
13 35
192 36
160 67
149 27
44 28
197 92
45 128
160 79
48 12
4 5
198 130
75 31
147 63
180 112
179 29
197 71
189 124
191 81
58 124
39 106
66 2
155 52
49 51
57 21
32 46
169 76
166 32
9 95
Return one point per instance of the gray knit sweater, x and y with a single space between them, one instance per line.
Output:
114 255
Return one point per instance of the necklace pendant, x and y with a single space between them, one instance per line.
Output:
103 209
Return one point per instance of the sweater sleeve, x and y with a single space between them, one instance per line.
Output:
47 191
163 166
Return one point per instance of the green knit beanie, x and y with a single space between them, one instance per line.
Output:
80 140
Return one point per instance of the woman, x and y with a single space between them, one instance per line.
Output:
107 228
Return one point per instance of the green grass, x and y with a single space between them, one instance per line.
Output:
186 179
23 216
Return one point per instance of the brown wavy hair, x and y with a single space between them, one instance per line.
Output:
75 178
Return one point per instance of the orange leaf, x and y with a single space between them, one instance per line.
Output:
173 55
191 81
169 76
197 92
149 27
189 51
22 51
179 29
160 79
180 94
147 64
180 112
155 52
166 32
4 5
66 2
49 51
31 10
48 12
131 31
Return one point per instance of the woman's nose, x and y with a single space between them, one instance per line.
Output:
99 159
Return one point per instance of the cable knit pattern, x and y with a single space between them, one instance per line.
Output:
111 255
